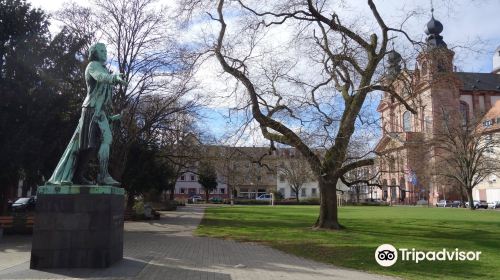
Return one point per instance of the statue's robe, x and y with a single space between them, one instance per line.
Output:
87 133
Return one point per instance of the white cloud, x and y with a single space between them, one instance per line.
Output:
463 21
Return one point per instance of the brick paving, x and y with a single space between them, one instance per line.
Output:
167 249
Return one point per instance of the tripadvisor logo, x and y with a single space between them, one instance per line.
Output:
387 255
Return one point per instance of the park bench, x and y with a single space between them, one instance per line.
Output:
6 221
17 223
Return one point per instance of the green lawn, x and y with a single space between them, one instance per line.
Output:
288 228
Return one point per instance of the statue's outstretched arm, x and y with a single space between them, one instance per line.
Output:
101 75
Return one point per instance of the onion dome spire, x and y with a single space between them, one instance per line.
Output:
433 30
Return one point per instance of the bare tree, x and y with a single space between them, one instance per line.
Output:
465 152
325 106
181 146
143 43
297 172
228 166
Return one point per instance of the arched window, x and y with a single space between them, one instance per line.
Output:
393 187
464 112
424 68
441 65
407 121
384 188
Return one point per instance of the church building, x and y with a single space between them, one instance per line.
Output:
436 92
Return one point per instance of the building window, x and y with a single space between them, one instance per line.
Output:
192 177
282 191
428 124
424 68
393 193
303 192
314 192
183 177
282 178
183 191
222 191
487 123
441 65
464 112
407 121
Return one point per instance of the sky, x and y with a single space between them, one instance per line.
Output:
465 22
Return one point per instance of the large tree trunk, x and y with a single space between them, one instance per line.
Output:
297 195
471 201
207 195
328 214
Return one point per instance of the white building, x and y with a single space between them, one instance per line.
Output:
308 190
489 189
187 185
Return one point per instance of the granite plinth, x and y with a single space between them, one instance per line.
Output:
77 227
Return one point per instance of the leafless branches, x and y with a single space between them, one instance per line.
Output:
465 152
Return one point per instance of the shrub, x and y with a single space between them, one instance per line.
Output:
250 202
138 207
306 201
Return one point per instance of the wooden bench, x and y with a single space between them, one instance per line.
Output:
17 223
6 221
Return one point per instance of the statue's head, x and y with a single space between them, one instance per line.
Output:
97 52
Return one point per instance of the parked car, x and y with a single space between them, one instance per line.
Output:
195 198
422 202
24 204
494 204
456 203
483 204
444 203
264 196
216 200
478 204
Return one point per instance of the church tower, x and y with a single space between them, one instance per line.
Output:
435 58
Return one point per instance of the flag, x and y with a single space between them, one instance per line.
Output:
411 176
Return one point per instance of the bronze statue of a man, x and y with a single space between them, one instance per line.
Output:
93 133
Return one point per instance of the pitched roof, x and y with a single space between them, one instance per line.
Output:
479 81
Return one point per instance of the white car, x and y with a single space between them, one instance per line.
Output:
264 197
478 204
494 204
195 198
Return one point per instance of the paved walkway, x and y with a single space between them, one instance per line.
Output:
167 249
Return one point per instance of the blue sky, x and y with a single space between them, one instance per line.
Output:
464 22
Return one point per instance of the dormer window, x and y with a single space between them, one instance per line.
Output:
487 123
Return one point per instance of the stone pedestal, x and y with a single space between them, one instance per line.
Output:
77 227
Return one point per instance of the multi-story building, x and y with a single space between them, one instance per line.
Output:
291 164
437 93
489 188
246 172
